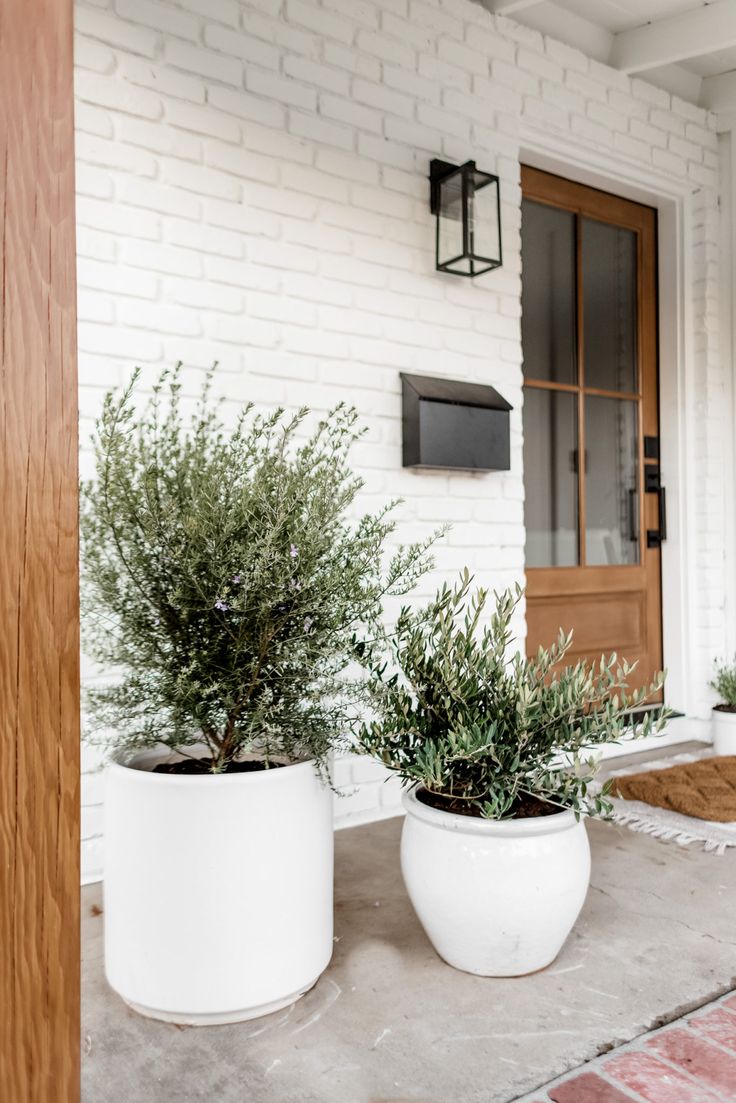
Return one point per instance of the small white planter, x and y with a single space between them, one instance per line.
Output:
724 732
217 890
496 897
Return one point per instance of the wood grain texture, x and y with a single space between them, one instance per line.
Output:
39 613
609 608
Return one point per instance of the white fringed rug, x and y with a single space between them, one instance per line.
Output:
661 823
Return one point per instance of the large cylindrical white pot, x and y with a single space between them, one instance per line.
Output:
217 890
724 732
496 897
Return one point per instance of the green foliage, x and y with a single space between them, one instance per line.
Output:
453 713
724 683
223 580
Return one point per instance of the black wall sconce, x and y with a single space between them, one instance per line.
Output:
467 204
447 423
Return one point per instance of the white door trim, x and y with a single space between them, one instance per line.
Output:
727 324
674 202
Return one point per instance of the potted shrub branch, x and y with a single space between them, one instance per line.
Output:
724 713
495 752
224 584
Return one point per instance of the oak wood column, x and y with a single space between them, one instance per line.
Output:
39 613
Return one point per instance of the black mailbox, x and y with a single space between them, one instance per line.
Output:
448 423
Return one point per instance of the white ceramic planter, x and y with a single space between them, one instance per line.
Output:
496 897
217 890
724 732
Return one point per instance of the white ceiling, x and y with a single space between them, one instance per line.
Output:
685 46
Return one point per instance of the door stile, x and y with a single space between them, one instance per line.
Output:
649 336
580 355
640 483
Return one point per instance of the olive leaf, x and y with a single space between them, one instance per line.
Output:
454 713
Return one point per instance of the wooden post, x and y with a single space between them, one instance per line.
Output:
39 613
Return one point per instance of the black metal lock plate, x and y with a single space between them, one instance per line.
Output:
651 448
651 479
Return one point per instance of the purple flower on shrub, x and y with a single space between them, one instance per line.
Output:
221 605
294 551
237 579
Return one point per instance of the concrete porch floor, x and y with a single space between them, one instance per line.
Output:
389 1022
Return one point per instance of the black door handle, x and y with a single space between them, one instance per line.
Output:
662 513
656 537
633 510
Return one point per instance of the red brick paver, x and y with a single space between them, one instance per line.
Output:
718 1025
588 1088
655 1081
707 1063
692 1060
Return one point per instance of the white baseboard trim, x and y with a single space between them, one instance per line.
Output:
681 729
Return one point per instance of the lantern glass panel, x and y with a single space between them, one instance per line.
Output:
450 237
484 242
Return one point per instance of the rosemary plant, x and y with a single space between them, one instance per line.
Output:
223 580
724 683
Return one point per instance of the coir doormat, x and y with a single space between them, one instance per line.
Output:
692 801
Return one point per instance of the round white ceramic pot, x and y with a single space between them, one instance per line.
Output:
496 897
724 732
217 890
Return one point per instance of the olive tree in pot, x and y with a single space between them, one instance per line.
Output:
495 754
724 713
224 583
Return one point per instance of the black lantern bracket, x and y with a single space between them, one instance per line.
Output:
438 170
467 205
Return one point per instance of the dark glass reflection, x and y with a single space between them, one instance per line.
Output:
548 293
609 306
611 498
550 478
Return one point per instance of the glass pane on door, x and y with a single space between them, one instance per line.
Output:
548 299
611 491
609 306
551 481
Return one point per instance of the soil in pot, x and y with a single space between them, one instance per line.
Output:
204 766
523 808
724 708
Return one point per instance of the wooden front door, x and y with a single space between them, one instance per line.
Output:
594 509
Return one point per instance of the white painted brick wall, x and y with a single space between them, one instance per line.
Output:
252 189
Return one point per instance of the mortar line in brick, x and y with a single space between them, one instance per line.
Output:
702 1043
681 1070
638 1044
593 1065
626 1089
710 1040
722 1005
711 1094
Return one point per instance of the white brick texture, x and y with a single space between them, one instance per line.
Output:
252 190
